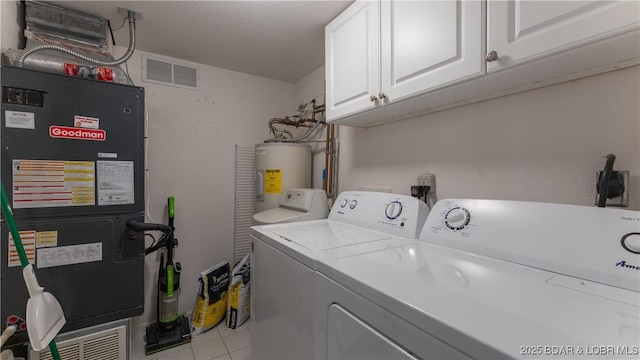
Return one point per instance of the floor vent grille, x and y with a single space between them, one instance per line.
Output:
102 342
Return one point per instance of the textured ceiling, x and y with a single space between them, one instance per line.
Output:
281 40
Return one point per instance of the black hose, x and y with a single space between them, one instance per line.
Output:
603 181
140 226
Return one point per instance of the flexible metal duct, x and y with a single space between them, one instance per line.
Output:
68 42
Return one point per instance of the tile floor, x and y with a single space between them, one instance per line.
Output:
219 343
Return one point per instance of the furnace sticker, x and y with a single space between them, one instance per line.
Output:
28 238
46 239
53 183
86 122
115 183
68 255
19 120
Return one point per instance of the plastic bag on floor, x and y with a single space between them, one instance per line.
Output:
211 302
239 294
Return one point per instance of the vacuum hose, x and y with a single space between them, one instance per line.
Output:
168 241
139 227
132 44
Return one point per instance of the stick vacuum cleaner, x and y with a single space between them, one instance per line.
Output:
171 328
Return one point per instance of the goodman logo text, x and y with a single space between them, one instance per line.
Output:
64 132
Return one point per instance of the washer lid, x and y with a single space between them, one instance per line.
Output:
326 235
457 294
276 215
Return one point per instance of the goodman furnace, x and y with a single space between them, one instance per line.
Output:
72 164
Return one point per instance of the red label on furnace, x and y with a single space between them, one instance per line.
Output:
64 132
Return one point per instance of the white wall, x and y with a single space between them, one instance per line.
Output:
11 15
541 145
192 138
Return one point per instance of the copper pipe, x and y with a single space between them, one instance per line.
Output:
329 160
325 180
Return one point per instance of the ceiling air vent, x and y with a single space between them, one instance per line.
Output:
172 72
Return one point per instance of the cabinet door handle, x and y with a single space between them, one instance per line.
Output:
373 98
492 56
382 95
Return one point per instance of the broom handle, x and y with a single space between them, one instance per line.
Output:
8 215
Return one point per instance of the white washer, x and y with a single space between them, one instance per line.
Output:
285 258
490 279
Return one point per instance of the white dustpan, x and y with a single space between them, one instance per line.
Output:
45 317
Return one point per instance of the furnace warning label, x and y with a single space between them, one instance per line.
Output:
53 183
115 183
273 181
19 120
46 239
28 238
67 255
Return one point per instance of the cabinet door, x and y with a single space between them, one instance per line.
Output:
521 31
427 44
352 59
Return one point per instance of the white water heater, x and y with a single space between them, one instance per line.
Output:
279 167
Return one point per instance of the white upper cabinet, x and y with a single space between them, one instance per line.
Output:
387 60
520 31
427 44
380 52
352 59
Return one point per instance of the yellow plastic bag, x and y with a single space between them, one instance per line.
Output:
211 302
239 294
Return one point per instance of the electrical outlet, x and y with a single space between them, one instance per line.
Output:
428 180
623 199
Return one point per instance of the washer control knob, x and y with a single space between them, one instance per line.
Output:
631 242
393 210
353 204
343 203
457 218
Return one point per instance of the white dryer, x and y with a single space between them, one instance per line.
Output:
285 258
489 279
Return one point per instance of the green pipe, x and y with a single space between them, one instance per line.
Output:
24 261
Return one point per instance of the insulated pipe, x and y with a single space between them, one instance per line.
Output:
311 131
132 44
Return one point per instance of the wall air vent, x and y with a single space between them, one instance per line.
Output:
172 72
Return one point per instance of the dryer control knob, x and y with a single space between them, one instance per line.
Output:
631 242
457 218
393 210
353 204
343 203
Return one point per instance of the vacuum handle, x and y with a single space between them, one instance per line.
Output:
171 206
140 226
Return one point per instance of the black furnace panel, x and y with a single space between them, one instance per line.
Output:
72 164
